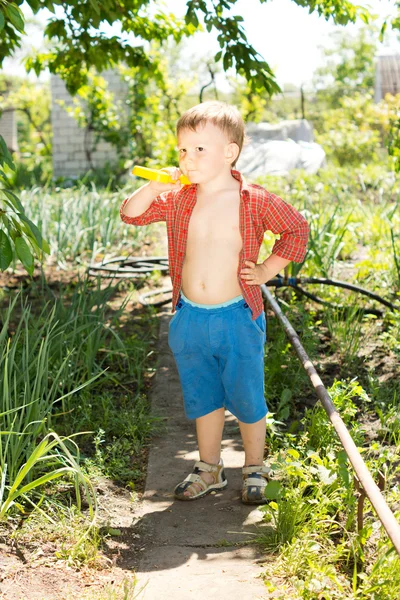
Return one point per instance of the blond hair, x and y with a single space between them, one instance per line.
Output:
224 116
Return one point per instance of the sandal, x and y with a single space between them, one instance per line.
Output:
253 487
219 483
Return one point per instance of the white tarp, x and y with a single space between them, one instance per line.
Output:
277 149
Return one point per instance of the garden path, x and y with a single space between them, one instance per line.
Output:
192 550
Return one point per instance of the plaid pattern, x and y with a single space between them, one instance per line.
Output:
259 211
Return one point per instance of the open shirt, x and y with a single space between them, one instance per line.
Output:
259 211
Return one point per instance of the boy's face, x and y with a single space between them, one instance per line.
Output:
205 153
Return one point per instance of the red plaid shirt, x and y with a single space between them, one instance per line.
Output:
259 211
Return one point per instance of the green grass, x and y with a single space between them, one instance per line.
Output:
311 516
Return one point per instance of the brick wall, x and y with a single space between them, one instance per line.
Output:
8 129
69 157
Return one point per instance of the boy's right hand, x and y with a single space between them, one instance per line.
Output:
175 173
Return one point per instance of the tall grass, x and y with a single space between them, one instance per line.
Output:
311 514
312 511
82 222
350 212
65 348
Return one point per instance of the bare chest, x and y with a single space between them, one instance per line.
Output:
210 223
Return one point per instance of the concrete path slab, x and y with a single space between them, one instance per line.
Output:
199 549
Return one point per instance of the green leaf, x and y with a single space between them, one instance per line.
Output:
5 155
6 252
16 16
344 468
2 21
273 490
95 6
191 18
35 232
24 254
37 249
14 199
8 203
382 31
286 395
294 453
227 61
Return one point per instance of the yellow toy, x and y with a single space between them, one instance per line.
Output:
160 176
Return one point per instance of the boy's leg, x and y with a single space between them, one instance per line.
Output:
253 437
209 430
254 473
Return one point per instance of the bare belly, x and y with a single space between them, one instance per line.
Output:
214 242
210 276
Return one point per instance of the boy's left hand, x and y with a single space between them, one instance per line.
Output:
255 274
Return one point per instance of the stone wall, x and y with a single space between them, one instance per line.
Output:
69 157
8 129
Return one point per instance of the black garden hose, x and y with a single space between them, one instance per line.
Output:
141 266
129 266
364 311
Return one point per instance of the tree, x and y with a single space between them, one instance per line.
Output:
348 67
78 44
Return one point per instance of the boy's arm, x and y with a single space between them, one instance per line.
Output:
282 218
149 203
256 274
143 207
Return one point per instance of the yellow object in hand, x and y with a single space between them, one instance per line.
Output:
155 175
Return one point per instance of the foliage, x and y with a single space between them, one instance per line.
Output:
51 363
32 101
49 357
32 105
355 132
311 514
394 143
360 221
348 67
91 48
24 481
81 223
350 126
100 114
19 236
17 231
127 589
253 107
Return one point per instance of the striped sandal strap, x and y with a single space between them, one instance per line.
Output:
207 467
260 469
194 478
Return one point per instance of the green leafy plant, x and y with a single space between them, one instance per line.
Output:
18 234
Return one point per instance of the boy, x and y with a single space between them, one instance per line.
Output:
215 229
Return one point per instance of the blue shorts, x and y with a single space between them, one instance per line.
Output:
219 353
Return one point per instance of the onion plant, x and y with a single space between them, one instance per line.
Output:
82 221
49 356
